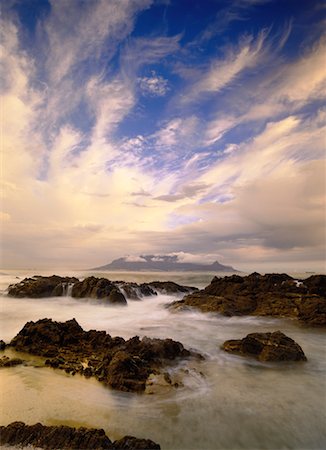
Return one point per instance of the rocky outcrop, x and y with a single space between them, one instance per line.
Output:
92 287
266 347
276 295
38 286
2 345
169 287
136 291
121 364
5 361
64 437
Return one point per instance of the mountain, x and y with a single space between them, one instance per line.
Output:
165 263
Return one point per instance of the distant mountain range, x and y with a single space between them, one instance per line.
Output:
164 263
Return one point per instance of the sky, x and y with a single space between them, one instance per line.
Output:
193 128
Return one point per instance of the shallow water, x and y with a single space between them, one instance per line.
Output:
227 402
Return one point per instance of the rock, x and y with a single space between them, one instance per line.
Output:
10 362
64 437
135 291
123 365
132 443
117 297
93 287
276 295
38 286
169 287
2 345
274 346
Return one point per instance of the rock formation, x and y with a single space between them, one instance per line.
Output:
266 347
64 438
38 286
107 291
276 295
123 365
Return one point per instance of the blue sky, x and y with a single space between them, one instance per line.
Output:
192 128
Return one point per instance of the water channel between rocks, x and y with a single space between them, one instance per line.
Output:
226 402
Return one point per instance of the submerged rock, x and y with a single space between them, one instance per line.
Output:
274 346
276 295
123 365
64 437
38 286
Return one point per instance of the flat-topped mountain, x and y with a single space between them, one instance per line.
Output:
165 263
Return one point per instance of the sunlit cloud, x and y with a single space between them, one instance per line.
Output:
116 142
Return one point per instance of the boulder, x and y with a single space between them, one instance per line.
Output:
64 437
277 295
123 365
93 287
117 297
274 346
132 443
38 286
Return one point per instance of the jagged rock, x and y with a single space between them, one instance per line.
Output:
132 443
274 346
136 291
123 365
64 438
169 287
38 286
265 295
5 361
93 287
2 345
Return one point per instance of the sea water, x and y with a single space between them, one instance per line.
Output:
226 402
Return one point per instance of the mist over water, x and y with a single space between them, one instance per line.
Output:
226 402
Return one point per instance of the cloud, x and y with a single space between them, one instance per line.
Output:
154 86
223 71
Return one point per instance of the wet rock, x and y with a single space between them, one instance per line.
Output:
274 346
136 291
132 443
38 286
64 437
2 345
117 297
276 295
10 362
93 287
123 365
169 287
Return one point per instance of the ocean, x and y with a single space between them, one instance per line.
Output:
226 401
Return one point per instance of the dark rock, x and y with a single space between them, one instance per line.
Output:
66 438
2 345
117 297
38 286
132 443
10 362
169 287
266 347
135 291
93 287
276 295
124 365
